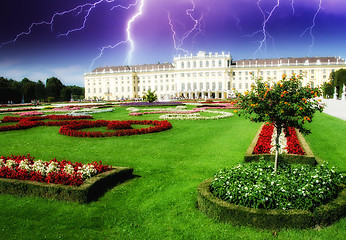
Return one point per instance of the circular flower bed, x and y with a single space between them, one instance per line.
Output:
255 185
193 116
123 128
72 126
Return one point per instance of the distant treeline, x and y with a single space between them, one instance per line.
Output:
26 90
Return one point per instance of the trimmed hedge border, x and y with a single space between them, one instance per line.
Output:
269 219
307 158
90 190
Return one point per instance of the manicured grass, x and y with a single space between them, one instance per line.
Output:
161 202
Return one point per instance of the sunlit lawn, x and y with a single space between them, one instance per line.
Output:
161 202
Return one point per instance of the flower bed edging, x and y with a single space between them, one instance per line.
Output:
268 219
307 158
90 190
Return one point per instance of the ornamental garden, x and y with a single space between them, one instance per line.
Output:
152 171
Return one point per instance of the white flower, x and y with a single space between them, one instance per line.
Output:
53 167
87 171
39 166
10 163
25 165
69 169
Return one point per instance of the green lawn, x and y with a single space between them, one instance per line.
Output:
161 202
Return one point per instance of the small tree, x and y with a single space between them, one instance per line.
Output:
285 104
150 96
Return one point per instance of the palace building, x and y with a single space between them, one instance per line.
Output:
205 75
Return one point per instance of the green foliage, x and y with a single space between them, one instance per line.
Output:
150 96
328 90
285 103
338 80
255 185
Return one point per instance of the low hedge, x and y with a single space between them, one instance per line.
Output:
90 190
269 219
307 158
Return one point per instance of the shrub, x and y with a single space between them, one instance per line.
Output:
255 185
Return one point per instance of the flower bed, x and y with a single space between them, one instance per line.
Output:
269 219
80 188
29 122
295 197
32 113
123 128
145 104
294 148
288 141
64 172
193 116
72 127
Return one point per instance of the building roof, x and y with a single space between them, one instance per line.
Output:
290 61
134 68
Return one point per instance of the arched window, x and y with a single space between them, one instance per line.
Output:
220 63
220 85
189 86
182 64
213 86
207 64
194 86
207 86
183 86
201 64
213 63
200 86
188 65
194 64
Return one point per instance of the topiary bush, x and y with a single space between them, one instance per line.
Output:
255 185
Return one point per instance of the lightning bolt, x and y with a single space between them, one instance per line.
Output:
263 42
196 27
87 8
292 6
128 38
310 29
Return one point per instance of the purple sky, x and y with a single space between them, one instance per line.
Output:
246 28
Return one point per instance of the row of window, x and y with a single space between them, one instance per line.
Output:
202 86
207 74
207 64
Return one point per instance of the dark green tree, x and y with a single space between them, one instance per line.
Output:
53 88
28 89
40 91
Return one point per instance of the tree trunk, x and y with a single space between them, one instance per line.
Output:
277 146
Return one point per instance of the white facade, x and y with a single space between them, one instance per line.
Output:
205 75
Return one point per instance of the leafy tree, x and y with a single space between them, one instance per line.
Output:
53 88
338 80
285 104
150 96
28 89
328 89
40 91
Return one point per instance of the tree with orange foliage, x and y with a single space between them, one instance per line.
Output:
285 104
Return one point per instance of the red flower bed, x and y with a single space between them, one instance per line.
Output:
71 127
65 172
264 141
123 128
293 145
29 122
